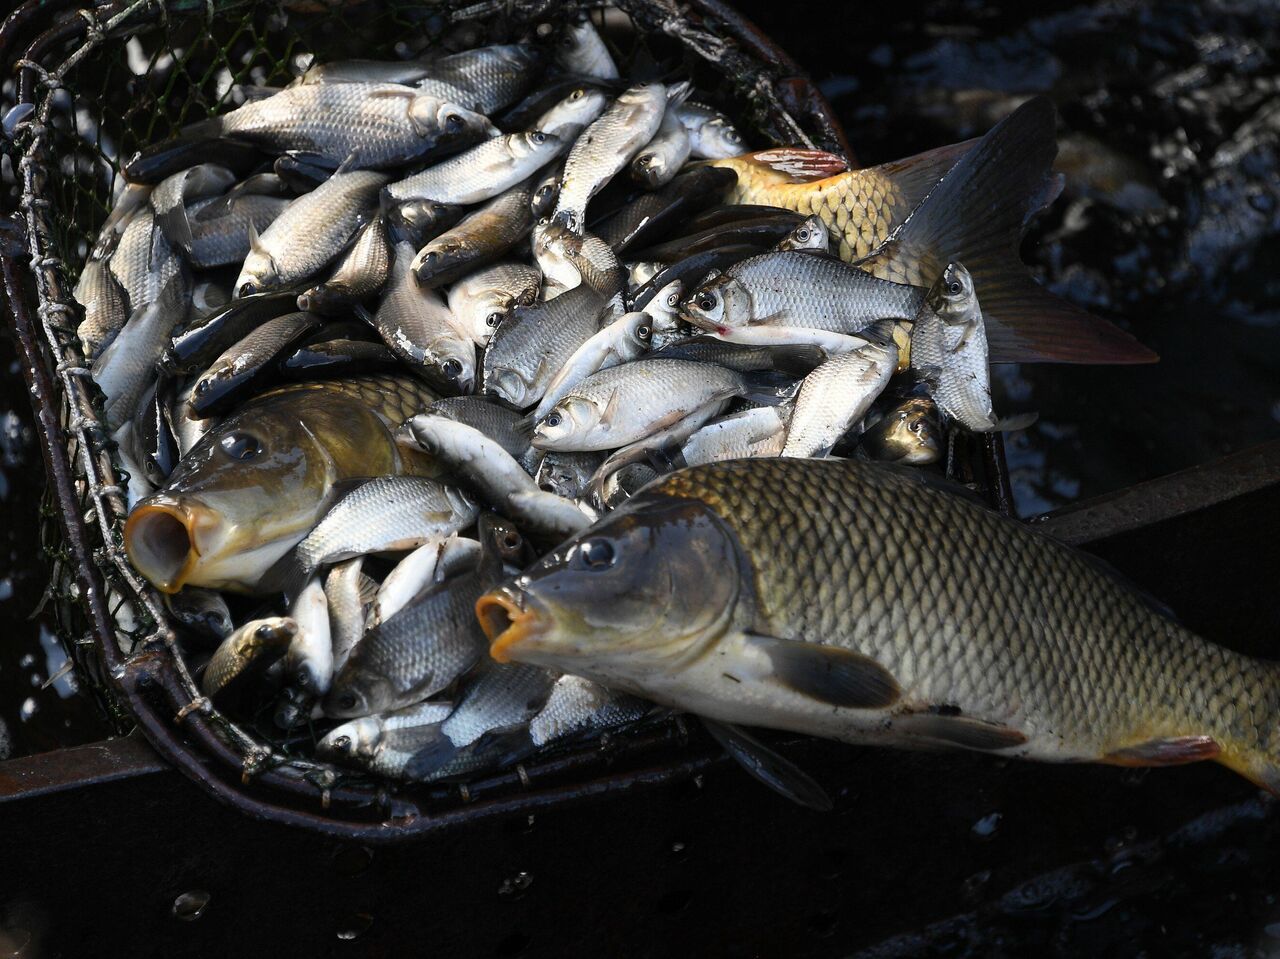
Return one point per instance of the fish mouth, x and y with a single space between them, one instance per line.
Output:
162 538
509 620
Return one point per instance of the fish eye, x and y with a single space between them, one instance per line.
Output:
511 539
430 257
597 554
539 137
643 332
204 386
916 427
732 135
347 701
343 743
673 299
493 319
803 235
707 301
553 420
454 123
452 368
578 94
646 159
247 289
263 631
954 288
241 446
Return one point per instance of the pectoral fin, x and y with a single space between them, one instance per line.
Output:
765 765
829 674
960 731
799 166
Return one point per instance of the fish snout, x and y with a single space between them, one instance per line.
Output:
165 537
510 619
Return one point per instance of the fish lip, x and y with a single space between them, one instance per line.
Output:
163 537
510 617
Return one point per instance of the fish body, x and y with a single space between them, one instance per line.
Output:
949 346
662 158
482 172
482 300
580 50
360 273
794 288
252 487
476 240
815 614
712 135
311 232
251 646
568 117
568 259
100 296
219 234
417 324
363 125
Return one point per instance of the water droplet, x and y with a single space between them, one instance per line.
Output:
190 906
352 860
678 849
355 926
28 709
985 828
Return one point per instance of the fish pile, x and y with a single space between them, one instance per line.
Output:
373 343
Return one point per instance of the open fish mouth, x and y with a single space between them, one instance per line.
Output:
163 539
509 620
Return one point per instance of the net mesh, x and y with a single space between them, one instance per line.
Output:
136 73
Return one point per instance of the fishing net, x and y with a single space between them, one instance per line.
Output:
100 84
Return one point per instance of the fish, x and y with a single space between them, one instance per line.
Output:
622 341
144 263
810 234
360 273
794 288
332 359
385 514
415 322
480 173
905 220
664 156
348 593
607 145
580 50
102 300
495 475
836 396
383 743
419 650
567 474
309 658
248 363
949 347
794 359
200 343
577 706
310 233
568 259
478 239
534 342
418 221
249 648
624 404
570 116
365 71
360 125
253 486
481 300
712 135
406 580
758 431
1015 645
910 433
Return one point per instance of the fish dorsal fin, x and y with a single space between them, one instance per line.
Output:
610 409
255 241
799 166
768 767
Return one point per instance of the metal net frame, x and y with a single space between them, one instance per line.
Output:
102 83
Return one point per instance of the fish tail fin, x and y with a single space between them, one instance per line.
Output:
976 215
1257 757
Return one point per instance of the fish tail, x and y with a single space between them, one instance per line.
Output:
1251 734
976 215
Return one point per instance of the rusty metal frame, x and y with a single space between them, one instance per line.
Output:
152 681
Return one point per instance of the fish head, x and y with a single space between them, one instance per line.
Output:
450 122
258 273
647 585
637 335
251 488
533 143
437 257
952 295
664 308
719 305
452 360
508 384
910 434
567 474
574 112
419 220
357 739
569 419
651 169
811 234
358 691
721 139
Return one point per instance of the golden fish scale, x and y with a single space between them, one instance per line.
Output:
393 398
966 608
860 208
